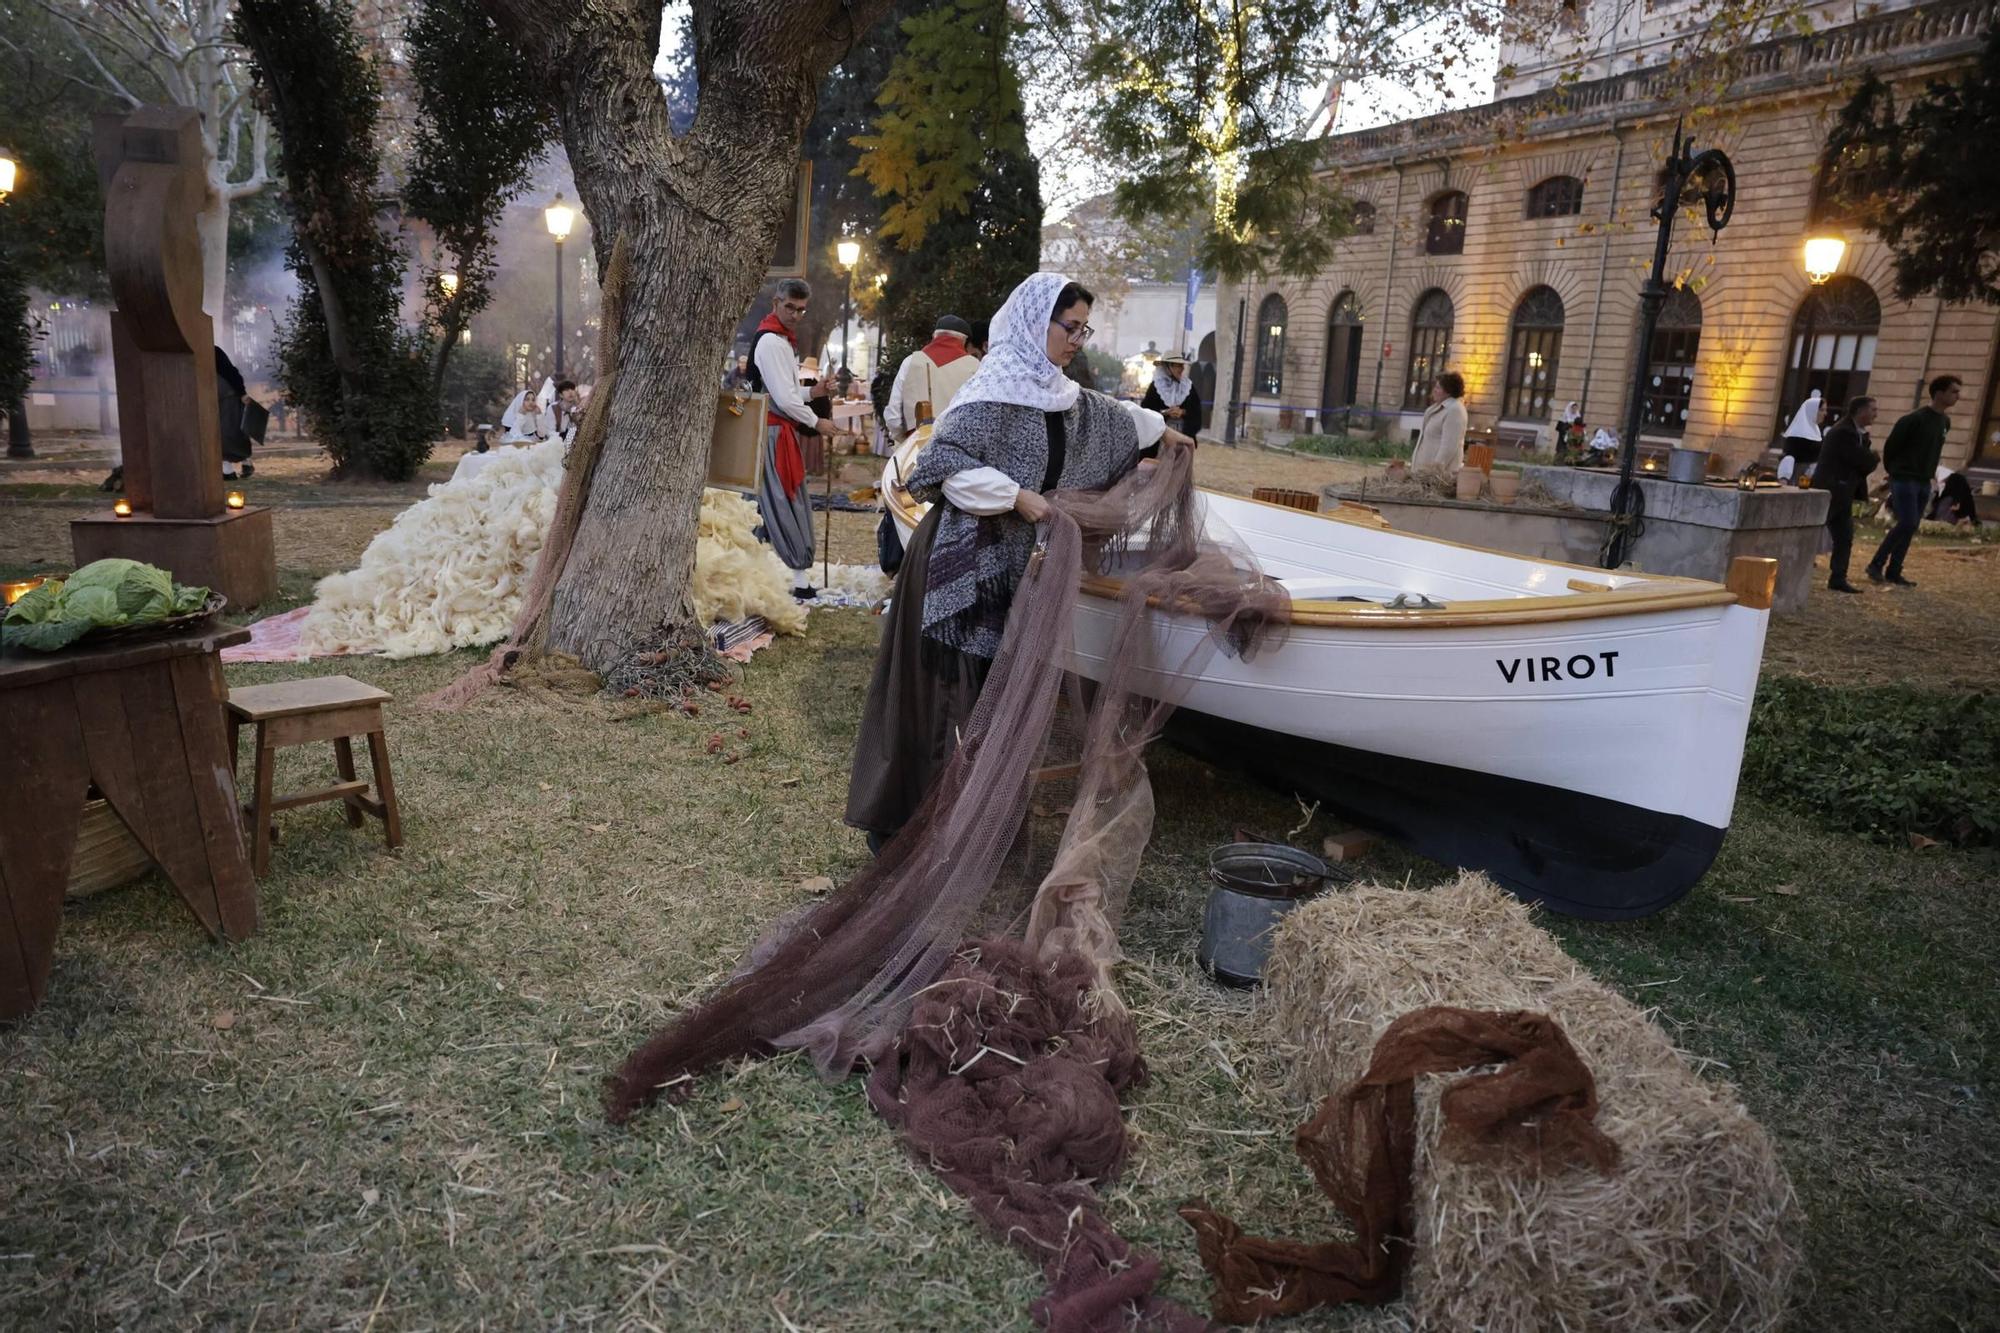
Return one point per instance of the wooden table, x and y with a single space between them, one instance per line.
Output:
144 721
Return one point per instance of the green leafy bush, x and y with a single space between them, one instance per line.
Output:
1885 762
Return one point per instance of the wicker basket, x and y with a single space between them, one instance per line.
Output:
106 855
171 625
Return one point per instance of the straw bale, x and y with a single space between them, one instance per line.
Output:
1696 1228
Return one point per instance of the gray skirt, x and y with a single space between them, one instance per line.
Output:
919 697
788 523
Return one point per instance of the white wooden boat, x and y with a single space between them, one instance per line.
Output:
1574 732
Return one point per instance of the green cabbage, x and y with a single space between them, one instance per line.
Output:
106 594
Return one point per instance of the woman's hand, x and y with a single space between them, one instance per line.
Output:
1030 505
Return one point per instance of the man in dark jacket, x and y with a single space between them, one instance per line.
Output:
1910 458
1845 460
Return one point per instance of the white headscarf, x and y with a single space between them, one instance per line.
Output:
511 420
1573 411
1017 368
1805 422
1173 392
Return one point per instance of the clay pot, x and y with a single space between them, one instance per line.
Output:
1397 470
1506 485
1470 479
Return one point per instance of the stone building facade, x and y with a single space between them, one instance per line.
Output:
1508 242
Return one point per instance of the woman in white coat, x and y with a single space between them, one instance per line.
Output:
1441 441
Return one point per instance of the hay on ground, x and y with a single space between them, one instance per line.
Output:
1696 1228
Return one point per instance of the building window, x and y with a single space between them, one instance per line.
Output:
1430 344
1833 346
1446 233
1361 217
1532 353
1556 197
1670 372
1270 377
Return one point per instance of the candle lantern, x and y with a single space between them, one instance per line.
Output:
234 500
15 591
123 507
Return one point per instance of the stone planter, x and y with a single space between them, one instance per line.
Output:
1470 479
1506 485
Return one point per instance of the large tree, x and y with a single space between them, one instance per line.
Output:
133 52
361 381
698 213
960 193
1923 179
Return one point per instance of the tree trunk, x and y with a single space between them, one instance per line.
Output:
18 443
212 226
700 213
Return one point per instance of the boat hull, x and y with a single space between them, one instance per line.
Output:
1575 853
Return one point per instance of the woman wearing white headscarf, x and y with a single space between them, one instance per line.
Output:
1018 427
1802 438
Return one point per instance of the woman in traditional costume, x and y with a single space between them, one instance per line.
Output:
1172 394
1802 438
1019 427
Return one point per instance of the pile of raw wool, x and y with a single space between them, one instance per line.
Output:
451 570
1697 1226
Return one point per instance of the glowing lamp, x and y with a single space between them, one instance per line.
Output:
849 252
7 169
1823 256
560 217
122 507
448 283
18 589
1277 330
881 281
234 499
1652 466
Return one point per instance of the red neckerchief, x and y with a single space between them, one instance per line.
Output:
786 458
943 350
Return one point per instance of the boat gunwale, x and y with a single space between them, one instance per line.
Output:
1649 594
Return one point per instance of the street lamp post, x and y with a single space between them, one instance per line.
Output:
559 217
1688 176
18 443
881 324
850 255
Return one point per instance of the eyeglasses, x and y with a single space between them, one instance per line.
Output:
796 307
1076 333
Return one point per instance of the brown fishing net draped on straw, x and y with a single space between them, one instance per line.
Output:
840 978
1534 1111
530 635
1695 1226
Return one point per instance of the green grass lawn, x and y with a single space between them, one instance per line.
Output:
382 1111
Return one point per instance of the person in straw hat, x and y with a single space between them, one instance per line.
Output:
1172 394
1019 427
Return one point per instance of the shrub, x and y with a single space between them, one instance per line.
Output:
1885 762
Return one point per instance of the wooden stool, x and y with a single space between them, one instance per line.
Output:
298 712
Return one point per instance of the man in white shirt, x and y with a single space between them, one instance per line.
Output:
931 374
782 497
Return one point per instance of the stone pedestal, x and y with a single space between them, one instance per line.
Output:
1697 529
231 553
1691 530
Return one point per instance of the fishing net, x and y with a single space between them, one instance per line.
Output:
839 978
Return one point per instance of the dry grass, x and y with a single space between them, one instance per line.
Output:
381 1112
1696 1226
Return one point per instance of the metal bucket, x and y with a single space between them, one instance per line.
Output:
1688 465
1253 885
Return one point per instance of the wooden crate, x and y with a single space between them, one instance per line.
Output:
1291 499
107 855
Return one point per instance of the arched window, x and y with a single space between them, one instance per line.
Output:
1532 353
1430 344
1446 233
1361 216
1670 370
1556 197
1269 379
1340 381
1833 345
